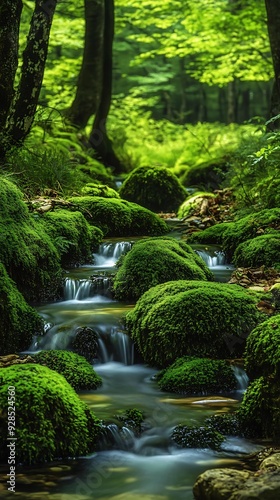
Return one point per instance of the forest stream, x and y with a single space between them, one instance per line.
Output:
127 467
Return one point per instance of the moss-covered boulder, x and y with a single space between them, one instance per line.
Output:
155 261
119 217
18 321
259 412
51 421
260 251
197 376
77 371
262 354
94 189
193 203
197 437
226 423
74 238
207 175
211 235
26 250
85 343
156 188
192 318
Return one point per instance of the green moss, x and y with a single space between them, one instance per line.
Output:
77 371
155 188
93 189
192 203
119 217
208 175
211 235
259 412
193 318
260 251
18 321
85 343
262 354
197 437
197 376
51 421
73 236
155 261
226 423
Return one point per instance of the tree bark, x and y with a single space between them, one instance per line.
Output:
23 109
273 25
9 36
88 91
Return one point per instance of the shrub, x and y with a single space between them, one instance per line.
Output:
51 421
156 188
192 318
77 371
18 321
155 261
197 376
260 251
119 217
197 437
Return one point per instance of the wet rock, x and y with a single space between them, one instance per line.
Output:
219 484
14 359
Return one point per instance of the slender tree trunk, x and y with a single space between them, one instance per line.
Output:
231 103
88 92
99 139
273 25
23 109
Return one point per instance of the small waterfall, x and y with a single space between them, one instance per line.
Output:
84 289
241 377
109 253
114 437
218 259
115 346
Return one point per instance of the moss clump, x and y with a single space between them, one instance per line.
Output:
260 251
192 203
262 354
197 437
155 188
197 376
208 175
193 318
155 261
226 423
93 189
51 421
259 412
85 343
18 321
77 371
73 236
119 217
26 250
211 235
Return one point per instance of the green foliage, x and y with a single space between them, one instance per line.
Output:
26 250
119 217
211 235
155 261
51 421
73 236
94 189
192 203
192 318
197 437
77 371
225 423
262 250
155 188
85 343
18 321
132 418
262 354
197 376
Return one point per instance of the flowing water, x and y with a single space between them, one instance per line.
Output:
128 467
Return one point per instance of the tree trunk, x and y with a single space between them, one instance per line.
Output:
23 109
231 103
88 91
9 34
273 25
99 139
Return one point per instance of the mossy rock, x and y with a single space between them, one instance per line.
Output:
260 251
226 423
26 250
192 318
156 188
197 437
154 261
85 343
259 412
208 175
74 238
51 421
92 189
77 371
262 354
193 203
94 170
197 376
211 235
119 217
18 321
